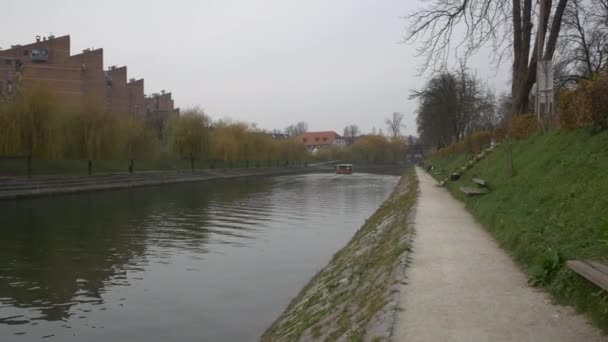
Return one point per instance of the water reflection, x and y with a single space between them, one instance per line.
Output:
58 252
180 260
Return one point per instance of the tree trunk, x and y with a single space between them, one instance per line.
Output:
524 63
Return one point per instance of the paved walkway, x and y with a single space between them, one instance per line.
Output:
463 287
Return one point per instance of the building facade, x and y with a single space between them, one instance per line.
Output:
137 97
317 140
159 108
75 80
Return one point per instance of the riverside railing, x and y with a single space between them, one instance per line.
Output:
28 166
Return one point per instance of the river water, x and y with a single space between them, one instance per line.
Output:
210 261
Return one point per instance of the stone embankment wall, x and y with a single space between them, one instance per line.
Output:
22 187
355 296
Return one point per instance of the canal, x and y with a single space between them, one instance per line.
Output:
209 261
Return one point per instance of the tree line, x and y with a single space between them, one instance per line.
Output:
573 34
372 148
452 105
368 149
34 123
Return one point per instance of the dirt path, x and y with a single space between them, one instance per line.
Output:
463 287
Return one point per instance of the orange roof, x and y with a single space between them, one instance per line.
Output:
319 138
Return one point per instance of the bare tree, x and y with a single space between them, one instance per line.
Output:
296 129
436 119
353 131
395 124
583 48
505 25
600 12
350 132
453 105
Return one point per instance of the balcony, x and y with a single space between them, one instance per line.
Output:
40 55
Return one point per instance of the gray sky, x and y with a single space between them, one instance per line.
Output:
273 62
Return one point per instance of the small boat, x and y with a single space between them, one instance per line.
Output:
344 169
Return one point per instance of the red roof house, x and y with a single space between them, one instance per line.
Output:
316 140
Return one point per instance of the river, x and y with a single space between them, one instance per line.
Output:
209 261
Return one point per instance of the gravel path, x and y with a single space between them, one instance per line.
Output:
463 287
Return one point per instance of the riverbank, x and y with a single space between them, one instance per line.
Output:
552 210
355 296
461 286
12 188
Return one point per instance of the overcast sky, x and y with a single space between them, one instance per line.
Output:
273 62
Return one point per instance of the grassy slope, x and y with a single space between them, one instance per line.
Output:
554 209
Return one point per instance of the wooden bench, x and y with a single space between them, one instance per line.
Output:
593 271
481 183
473 191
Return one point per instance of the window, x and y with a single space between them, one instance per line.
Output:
26 52
317 139
1 88
9 88
324 138
304 139
40 55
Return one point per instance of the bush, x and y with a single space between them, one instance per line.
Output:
456 148
472 143
522 126
499 134
479 141
586 105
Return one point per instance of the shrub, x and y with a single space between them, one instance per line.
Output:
522 126
472 143
456 148
479 140
586 105
499 134
598 92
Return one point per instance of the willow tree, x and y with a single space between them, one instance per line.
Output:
189 133
508 27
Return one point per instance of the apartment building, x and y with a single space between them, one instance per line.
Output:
159 108
75 79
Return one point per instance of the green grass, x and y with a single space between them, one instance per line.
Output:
554 209
48 167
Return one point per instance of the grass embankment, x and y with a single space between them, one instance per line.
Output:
355 296
554 209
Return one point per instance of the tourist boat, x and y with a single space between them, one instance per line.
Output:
344 169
